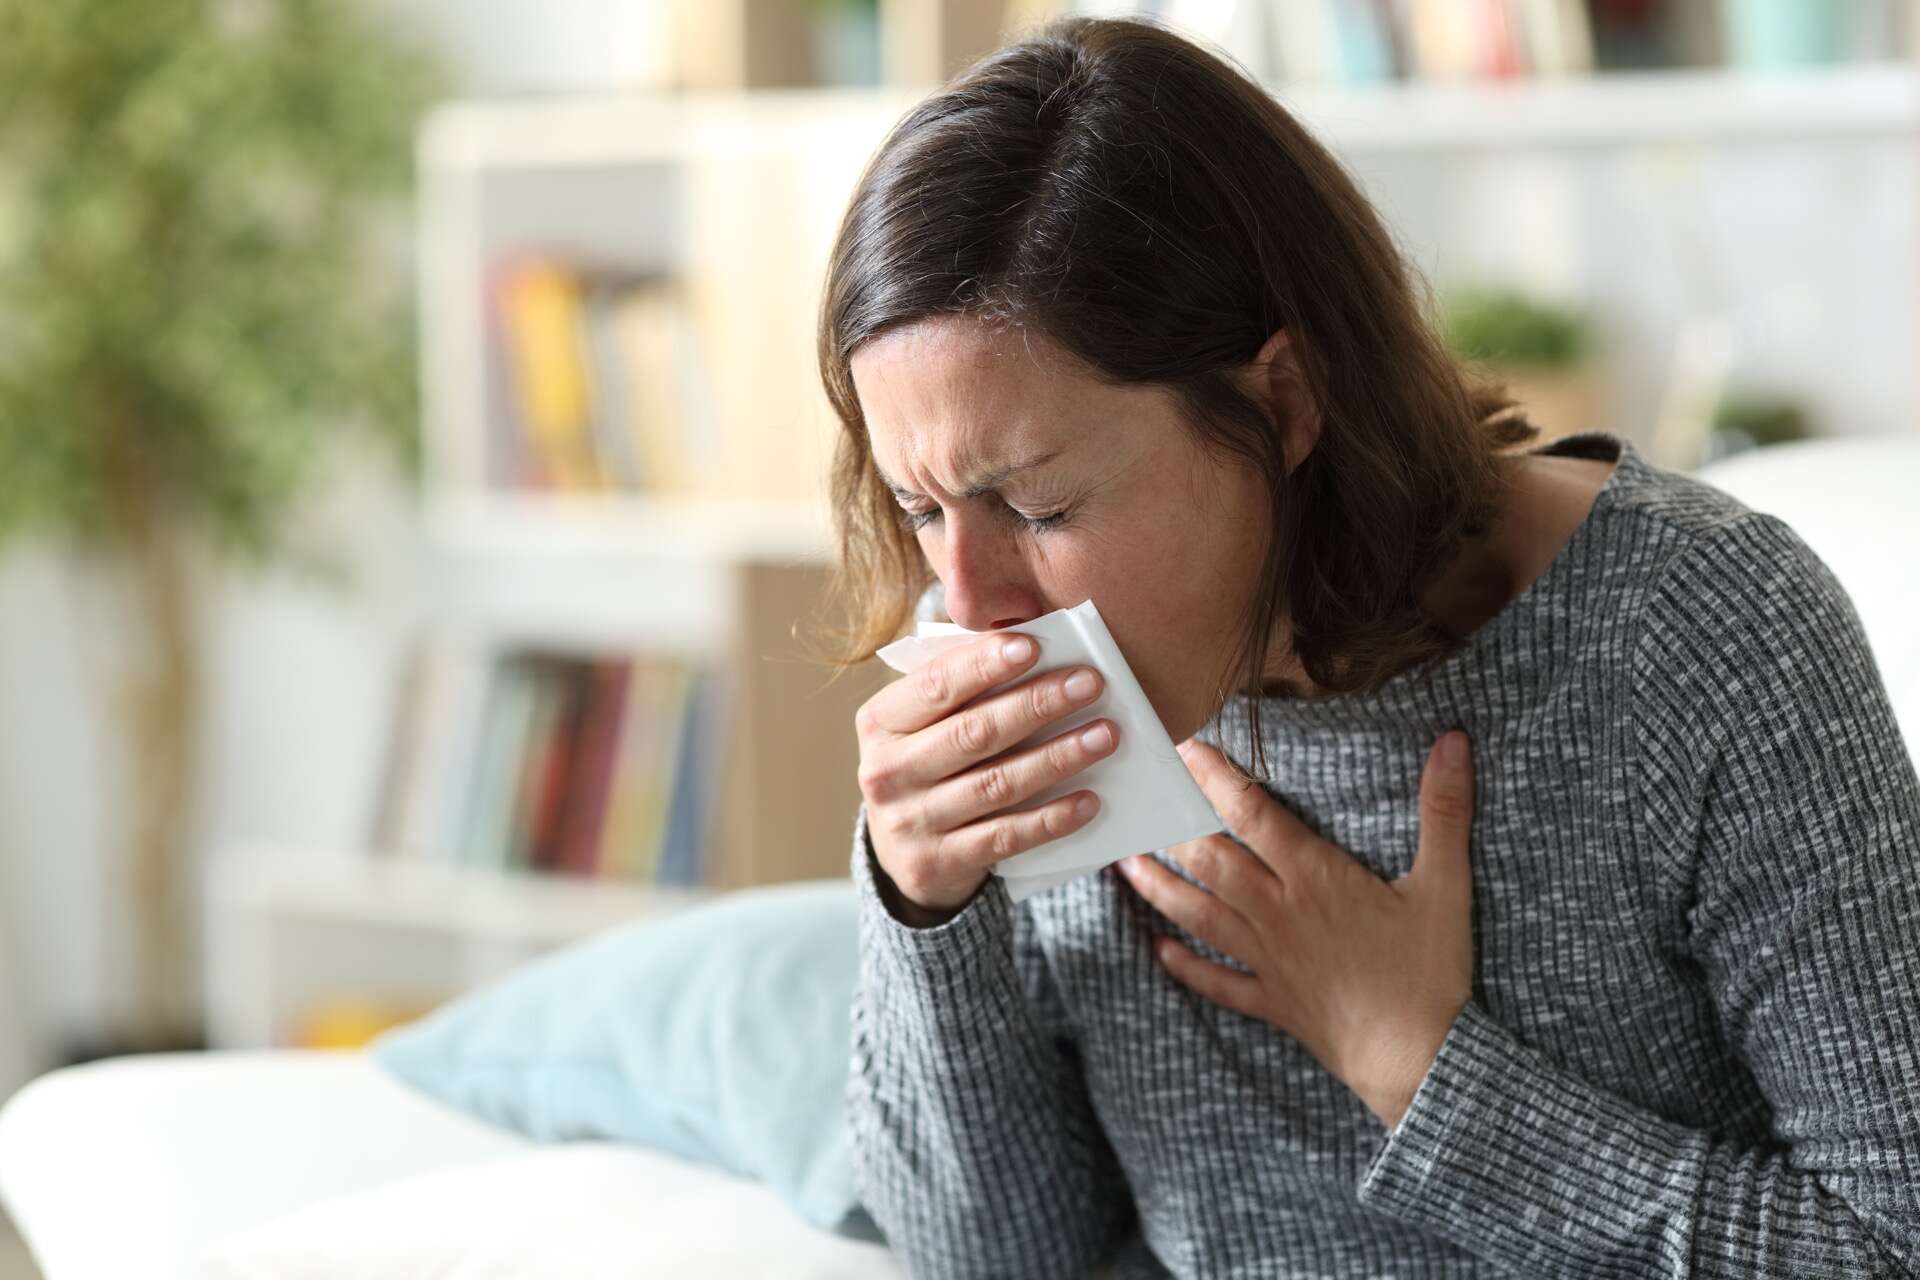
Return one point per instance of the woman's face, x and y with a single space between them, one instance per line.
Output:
1034 486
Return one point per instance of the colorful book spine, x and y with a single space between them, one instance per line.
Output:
604 377
591 766
545 328
602 725
513 702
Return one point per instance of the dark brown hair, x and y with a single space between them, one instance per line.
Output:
1147 207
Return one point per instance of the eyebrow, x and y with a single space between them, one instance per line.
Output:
983 484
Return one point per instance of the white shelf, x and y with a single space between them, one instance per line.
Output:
547 524
1615 107
464 902
287 929
645 128
1610 107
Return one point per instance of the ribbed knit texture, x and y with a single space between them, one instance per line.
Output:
1693 1044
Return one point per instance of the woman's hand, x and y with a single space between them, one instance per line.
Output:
922 740
1367 974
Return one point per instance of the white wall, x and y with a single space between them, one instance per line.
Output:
294 706
1810 244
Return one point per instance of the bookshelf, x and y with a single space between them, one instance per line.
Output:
713 571
676 188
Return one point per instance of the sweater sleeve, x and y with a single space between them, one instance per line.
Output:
1788 809
975 1145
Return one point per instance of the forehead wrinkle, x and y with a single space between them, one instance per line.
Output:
983 483
964 384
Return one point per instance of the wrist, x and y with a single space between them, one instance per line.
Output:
1392 1092
905 909
919 917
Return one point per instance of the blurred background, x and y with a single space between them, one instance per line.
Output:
411 452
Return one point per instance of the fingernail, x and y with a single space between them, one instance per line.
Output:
1080 684
1018 649
1184 747
1453 748
1097 738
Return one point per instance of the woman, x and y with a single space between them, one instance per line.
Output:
1633 991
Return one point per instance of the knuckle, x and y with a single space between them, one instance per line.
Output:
1450 804
1003 840
1042 698
1243 811
1203 860
1273 893
934 683
875 779
972 733
993 787
897 822
1063 753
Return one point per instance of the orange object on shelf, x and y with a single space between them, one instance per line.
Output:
349 1022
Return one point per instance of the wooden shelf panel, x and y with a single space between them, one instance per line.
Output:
509 523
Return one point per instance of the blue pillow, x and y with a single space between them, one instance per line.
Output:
719 1033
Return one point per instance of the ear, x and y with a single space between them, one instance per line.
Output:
1276 372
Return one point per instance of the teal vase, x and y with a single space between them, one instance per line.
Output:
1770 34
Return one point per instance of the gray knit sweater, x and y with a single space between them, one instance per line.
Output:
1693 1044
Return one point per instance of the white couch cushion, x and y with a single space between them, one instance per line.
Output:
129 1166
1856 502
315 1162
568 1211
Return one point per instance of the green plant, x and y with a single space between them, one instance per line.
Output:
1763 419
1506 326
1749 420
192 308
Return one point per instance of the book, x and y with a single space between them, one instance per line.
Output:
679 852
487 837
529 760
605 380
688 855
451 748
647 324
603 724
630 835
1558 37
555 767
430 702
544 326
641 843
602 765
612 382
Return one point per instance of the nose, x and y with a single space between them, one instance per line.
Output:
987 586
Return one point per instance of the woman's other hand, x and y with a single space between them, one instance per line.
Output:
931 769
1368 974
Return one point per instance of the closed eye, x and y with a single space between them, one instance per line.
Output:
914 521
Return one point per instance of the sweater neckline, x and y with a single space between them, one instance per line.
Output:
1507 646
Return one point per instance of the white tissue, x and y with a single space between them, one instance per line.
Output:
1148 800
